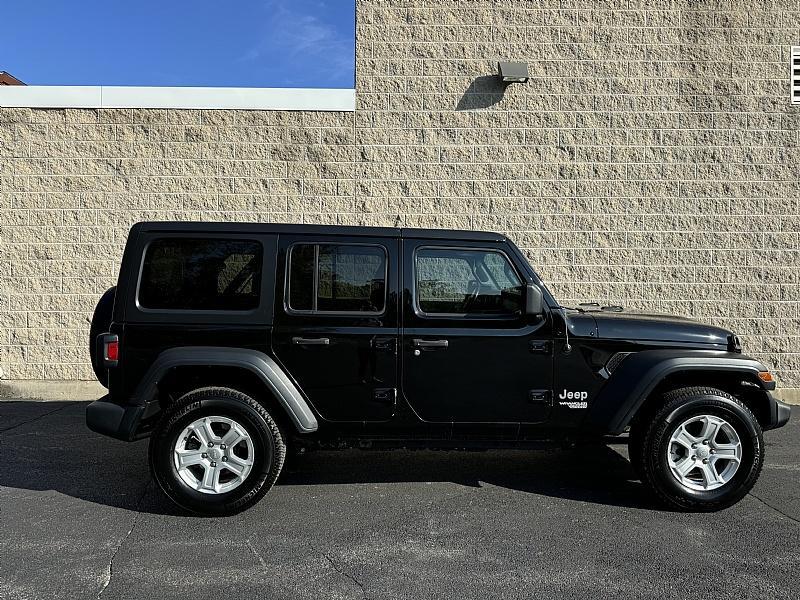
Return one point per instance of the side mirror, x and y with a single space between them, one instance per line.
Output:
533 300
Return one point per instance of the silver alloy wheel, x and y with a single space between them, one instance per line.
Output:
704 452
213 455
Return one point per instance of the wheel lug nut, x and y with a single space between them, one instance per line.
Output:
224 459
204 455
694 457
223 446
694 445
705 461
713 451
213 463
705 442
210 444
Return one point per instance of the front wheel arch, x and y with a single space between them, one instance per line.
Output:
739 385
646 374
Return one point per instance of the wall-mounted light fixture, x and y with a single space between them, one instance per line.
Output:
513 72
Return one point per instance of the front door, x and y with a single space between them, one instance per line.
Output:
469 353
336 326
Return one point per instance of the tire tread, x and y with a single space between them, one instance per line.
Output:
651 434
184 405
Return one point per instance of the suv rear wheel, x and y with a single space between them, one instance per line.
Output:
216 451
703 450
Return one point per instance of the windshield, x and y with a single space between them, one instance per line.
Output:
548 295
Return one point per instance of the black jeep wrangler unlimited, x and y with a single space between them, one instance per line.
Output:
228 343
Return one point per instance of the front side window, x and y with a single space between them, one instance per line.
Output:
201 274
469 281
337 278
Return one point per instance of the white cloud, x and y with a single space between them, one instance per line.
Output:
296 34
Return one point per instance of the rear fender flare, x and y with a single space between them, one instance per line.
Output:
258 363
634 380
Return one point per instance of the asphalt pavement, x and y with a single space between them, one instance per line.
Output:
81 518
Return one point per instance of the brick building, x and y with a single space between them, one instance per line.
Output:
650 161
9 79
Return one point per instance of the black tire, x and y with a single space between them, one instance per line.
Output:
268 444
680 405
101 321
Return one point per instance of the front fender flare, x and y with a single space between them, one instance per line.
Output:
632 382
258 363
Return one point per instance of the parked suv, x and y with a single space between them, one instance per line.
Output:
226 344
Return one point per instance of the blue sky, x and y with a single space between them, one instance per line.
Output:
241 43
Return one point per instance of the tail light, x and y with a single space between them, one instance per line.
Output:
110 350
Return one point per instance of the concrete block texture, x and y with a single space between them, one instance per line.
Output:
651 161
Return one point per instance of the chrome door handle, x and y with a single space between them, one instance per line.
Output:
301 341
430 343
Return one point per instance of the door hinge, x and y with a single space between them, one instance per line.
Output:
541 346
540 397
385 395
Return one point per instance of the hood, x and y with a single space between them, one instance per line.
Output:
662 328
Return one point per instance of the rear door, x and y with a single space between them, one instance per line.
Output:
469 353
336 323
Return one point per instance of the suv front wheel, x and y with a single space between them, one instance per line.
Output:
703 450
216 451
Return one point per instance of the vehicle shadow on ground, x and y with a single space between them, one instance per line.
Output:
596 474
46 446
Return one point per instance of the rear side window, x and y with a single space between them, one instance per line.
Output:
467 281
337 278
201 274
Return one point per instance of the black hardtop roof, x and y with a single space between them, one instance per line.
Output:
291 228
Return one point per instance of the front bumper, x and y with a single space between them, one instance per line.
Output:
779 413
114 420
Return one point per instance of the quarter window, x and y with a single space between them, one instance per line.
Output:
454 281
201 274
337 278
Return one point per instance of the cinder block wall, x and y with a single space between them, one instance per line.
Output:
651 161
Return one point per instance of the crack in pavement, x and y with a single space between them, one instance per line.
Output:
777 510
257 554
404 519
110 567
42 416
341 571
390 525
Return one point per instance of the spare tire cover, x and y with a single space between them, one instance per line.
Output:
101 320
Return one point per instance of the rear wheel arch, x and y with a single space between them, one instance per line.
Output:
179 370
185 379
